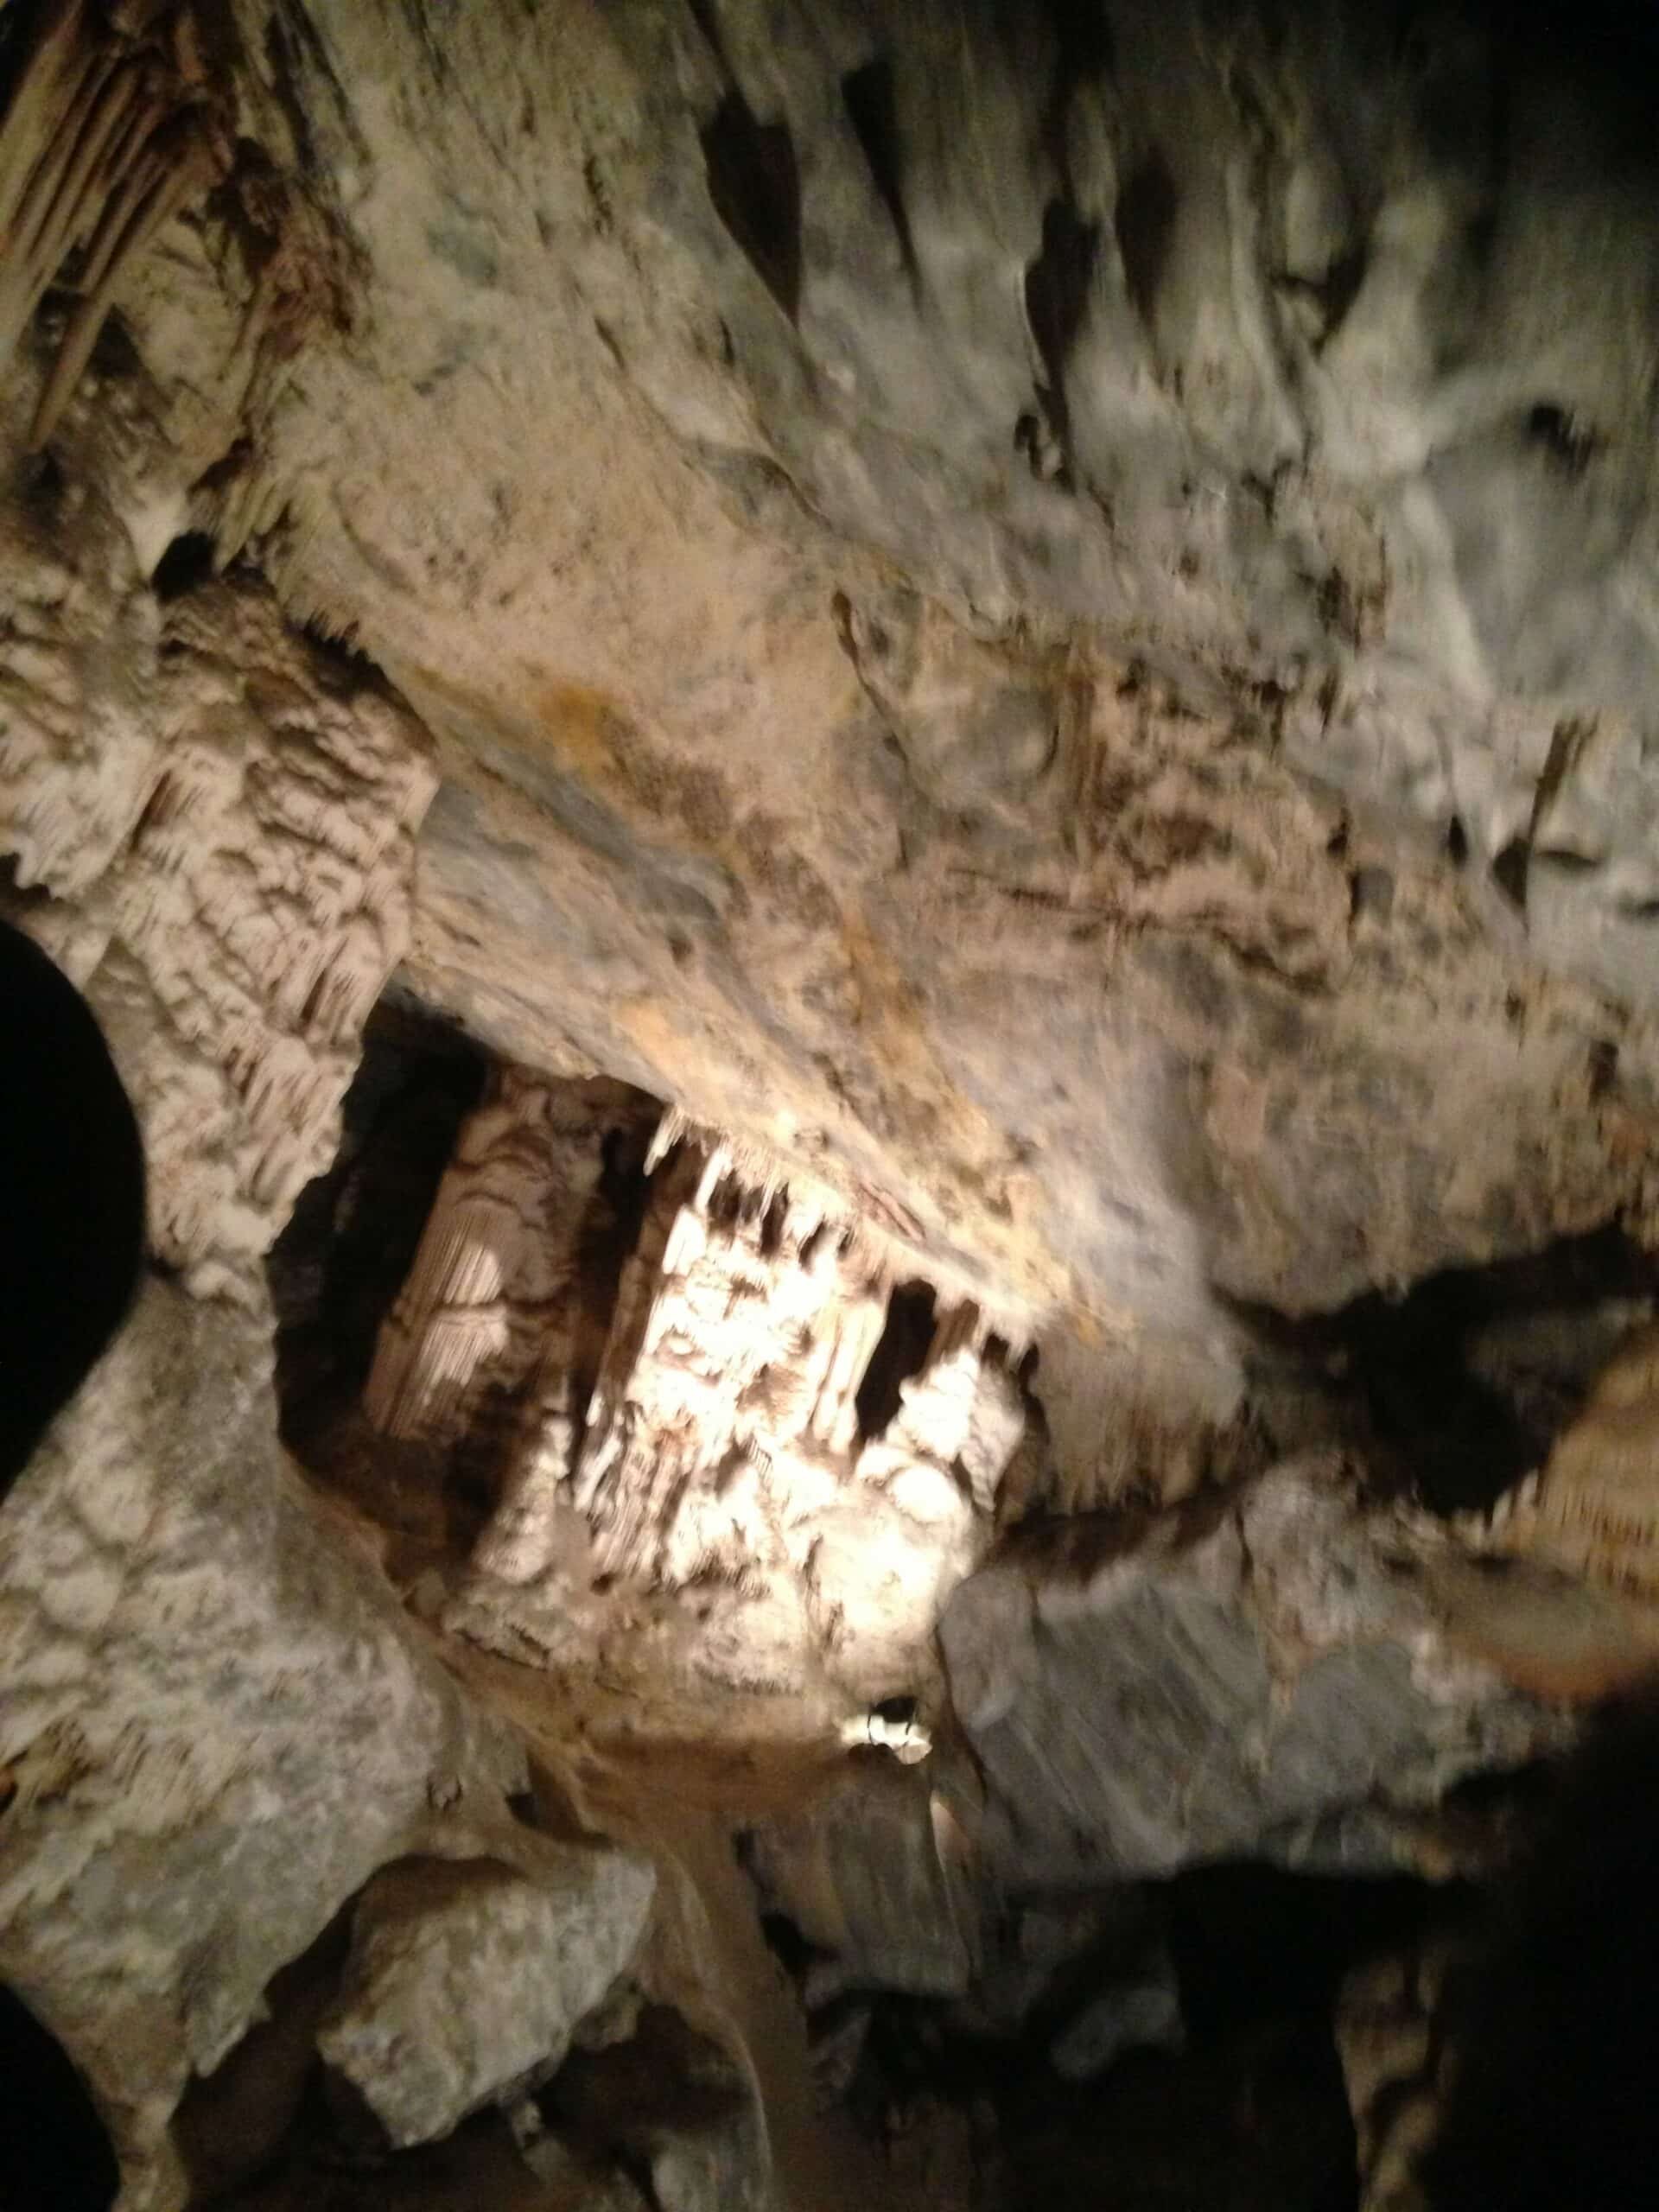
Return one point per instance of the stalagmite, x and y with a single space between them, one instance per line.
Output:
492 1293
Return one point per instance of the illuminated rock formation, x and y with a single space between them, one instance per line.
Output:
1044 617
963 1415
743 1329
493 1297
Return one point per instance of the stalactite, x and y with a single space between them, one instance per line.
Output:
104 142
1593 1507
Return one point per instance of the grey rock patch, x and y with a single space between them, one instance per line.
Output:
467 1982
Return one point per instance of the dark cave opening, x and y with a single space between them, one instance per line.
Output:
54 2150
1250 1941
352 1244
1464 1382
72 1196
186 565
352 1238
1551 2102
1245 2109
901 1351
754 186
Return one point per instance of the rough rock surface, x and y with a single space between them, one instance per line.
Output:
211 1705
227 814
1593 1509
495 1296
1266 1673
466 1981
868 1876
1199 385
1143 2014
1395 2031
1042 621
720 1450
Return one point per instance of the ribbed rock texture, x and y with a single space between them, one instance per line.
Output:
716 1425
1593 1509
227 815
1250 518
1275 1673
496 1297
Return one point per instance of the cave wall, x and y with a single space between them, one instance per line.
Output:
1038 619
1066 548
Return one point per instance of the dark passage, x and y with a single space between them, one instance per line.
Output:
898 1354
1457 1433
1551 2104
53 2150
72 1196
352 1239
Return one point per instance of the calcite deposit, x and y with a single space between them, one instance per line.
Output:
717 1451
225 818
863 803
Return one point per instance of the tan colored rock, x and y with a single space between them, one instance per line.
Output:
226 820
742 1332
1594 1509
494 1298
964 1412
862 1874
105 140
1395 2029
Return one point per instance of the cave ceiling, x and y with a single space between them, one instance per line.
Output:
951 709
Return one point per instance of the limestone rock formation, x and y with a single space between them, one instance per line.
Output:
694 1432
1268 1672
1395 2026
1176 512
466 1981
743 1329
493 1300
230 817
1030 632
217 1722
1594 1509
869 1876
